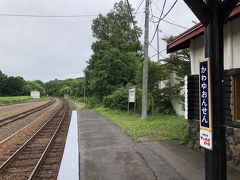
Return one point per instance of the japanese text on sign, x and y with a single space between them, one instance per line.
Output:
204 95
205 105
206 139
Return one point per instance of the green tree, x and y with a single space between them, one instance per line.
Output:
53 87
179 61
33 85
159 97
72 87
115 52
14 86
157 72
77 87
177 65
161 90
39 82
3 83
64 90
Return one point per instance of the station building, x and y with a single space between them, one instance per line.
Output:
193 39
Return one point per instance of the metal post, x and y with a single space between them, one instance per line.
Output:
145 63
135 103
213 14
158 58
215 160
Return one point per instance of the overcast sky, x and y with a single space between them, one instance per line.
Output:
49 48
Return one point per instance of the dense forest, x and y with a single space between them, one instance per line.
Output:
17 86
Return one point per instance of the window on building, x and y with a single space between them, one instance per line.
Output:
237 97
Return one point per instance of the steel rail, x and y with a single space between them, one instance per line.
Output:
21 115
24 112
21 148
32 122
34 172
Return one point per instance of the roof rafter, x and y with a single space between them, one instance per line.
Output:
200 9
228 6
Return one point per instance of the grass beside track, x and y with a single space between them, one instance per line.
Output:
79 104
157 127
14 99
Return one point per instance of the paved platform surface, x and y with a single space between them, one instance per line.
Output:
106 153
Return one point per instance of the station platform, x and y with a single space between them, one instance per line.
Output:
104 152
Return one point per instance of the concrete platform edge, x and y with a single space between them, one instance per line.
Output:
69 168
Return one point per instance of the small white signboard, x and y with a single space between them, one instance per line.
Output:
206 139
131 95
35 94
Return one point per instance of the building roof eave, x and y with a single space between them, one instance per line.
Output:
182 41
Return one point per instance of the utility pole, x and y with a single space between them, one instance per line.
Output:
213 14
145 62
158 45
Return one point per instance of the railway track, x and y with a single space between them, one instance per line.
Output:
27 160
24 114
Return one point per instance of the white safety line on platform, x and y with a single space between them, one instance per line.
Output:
69 168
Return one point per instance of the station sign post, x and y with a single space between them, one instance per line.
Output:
206 140
213 14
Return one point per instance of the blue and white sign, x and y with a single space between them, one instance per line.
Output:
205 104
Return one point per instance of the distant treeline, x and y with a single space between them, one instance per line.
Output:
17 86
71 87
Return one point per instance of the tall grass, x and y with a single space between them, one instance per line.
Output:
157 127
14 99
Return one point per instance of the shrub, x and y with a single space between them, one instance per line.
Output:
117 100
91 102
165 107
158 102
162 99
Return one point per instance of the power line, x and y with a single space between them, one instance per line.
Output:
164 33
153 47
170 9
160 11
52 16
164 4
48 16
158 53
157 33
151 11
139 13
133 22
139 6
161 18
156 49
183 27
